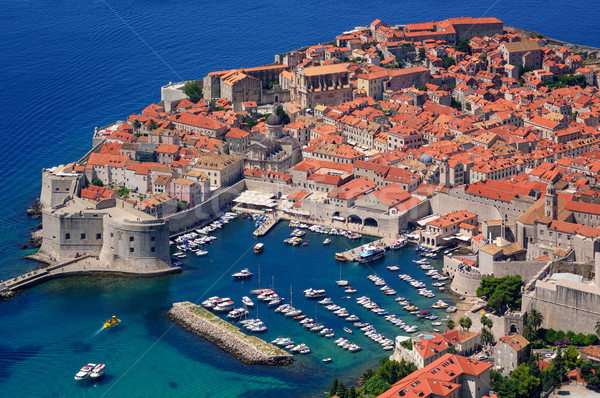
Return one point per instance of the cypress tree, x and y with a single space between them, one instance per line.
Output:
334 387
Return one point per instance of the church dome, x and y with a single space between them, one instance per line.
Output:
425 159
274 120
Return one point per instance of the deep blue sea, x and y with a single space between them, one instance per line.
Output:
67 66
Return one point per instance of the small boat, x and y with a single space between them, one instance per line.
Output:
327 360
326 242
98 371
84 372
243 274
347 330
305 243
340 257
393 268
350 290
111 322
341 283
258 248
200 253
247 301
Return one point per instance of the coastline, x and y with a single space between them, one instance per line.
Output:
549 40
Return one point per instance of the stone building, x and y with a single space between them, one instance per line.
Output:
272 151
522 53
222 170
246 84
321 85
509 352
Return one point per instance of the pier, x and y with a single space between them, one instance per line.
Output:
270 222
84 265
248 349
351 254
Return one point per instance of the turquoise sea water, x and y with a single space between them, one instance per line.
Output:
70 65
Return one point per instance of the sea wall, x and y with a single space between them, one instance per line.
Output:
465 283
248 349
207 210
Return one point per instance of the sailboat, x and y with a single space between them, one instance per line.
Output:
341 282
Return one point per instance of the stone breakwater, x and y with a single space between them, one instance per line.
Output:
248 349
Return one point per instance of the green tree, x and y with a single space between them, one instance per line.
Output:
97 182
367 374
590 373
152 125
523 70
465 323
182 205
193 90
285 119
572 357
559 369
463 46
483 55
421 54
468 106
376 385
450 324
351 392
504 387
487 322
250 122
136 125
448 62
527 384
334 387
597 328
487 337
123 192
392 371
502 293
529 332
535 318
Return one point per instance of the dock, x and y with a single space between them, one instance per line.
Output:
270 222
84 265
248 349
351 254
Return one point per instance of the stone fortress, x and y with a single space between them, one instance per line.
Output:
111 232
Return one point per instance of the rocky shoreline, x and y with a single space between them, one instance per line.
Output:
248 349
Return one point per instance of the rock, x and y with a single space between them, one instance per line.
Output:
23 246
35 210
35 240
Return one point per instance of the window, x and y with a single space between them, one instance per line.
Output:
131 250
98 236
67 236
82 236
152 239
152 250
131 239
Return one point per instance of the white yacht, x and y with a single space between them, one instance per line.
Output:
98 371
247 301
84 372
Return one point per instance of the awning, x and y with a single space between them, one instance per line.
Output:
256 199
423 221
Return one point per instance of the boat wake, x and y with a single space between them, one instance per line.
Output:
97 332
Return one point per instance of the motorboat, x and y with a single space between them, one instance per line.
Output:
347 330
98 371
325 301
113 321
350 290
400 243
237 313
393 268
247 301
314 293
327 241
243 274
340 257
370 253
84 372
327 360
224 306
258 248
342 283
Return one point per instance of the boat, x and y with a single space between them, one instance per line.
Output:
243 274
326 242
113 321
327 360
342 283
237 313
201 253
370 253
247 301
84 372
400 243
314 293
350 290
224 306
98 371
393 268
258 248
347 330
340 257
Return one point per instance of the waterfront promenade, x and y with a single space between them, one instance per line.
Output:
84 265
